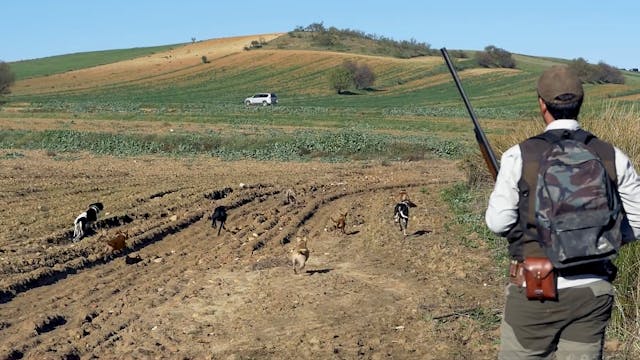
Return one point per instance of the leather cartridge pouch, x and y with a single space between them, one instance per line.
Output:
540 278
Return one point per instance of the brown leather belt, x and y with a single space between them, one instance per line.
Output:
516 273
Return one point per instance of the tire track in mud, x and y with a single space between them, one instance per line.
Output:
108 334
69 263
287 234
58 265
195 293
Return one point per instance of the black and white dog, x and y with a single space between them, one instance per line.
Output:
82 222
401 214
219 215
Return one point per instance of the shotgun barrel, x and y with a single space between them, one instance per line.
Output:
483 142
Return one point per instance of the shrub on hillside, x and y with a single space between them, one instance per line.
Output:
325 38
609 74
363 77
495 57
460 54
7 78
596 74
408 49
256 44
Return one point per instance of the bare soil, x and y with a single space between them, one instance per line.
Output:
179 291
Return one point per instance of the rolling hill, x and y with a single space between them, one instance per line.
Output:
177 75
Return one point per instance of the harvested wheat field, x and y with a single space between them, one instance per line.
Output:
179 291
180 61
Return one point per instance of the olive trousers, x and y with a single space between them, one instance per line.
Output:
571 327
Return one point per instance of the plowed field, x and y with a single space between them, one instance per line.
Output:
367 293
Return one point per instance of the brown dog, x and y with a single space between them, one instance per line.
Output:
299 255
119 241
340 222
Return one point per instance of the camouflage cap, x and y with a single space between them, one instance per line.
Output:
559 85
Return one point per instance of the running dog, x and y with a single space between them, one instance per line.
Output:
82 222
340 222
219 215
299 255
290 196
401 213
119 241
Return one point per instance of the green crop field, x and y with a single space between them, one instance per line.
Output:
410 97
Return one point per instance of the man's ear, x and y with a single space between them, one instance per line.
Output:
546 115
543 106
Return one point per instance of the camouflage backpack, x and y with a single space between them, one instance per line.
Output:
577 208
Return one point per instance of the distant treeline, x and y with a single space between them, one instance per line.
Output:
334 37
600 73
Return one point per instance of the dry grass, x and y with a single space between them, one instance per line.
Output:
620 125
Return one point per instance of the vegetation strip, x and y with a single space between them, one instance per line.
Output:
275 145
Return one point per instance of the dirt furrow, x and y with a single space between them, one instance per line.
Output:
180 291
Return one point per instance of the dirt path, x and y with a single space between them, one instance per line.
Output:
369 293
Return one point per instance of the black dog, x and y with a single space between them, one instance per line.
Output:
401 214
220 215
82 222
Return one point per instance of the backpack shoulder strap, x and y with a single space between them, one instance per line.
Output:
531 151
606 153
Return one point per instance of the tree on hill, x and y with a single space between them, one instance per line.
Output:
341 79
7 78
315 27
351 74
495 57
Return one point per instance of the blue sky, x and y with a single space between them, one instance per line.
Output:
594 30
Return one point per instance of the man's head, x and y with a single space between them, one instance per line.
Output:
561 91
